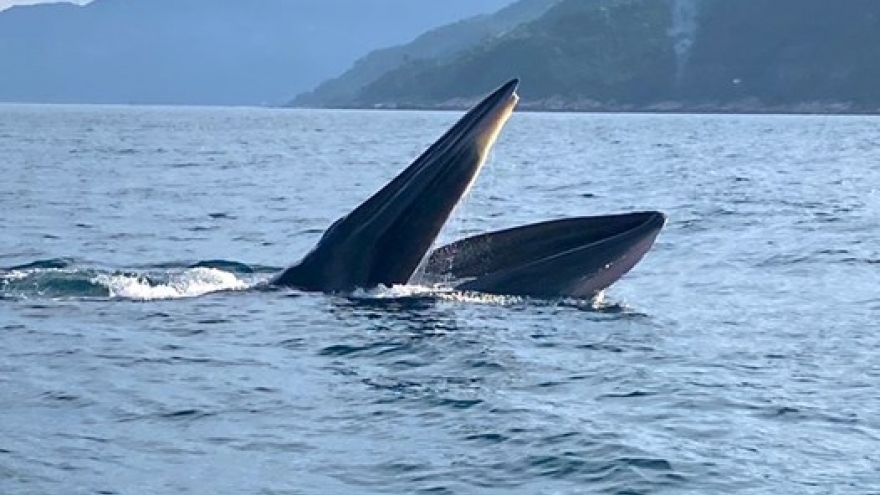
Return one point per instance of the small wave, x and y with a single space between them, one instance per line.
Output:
225 265
35 280
54 279
190 283
236 267
49 263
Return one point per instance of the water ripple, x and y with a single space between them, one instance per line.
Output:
140 350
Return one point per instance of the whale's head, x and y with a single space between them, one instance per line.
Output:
384 240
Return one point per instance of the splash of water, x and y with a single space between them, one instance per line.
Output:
450 294
177 283
190 283
398 292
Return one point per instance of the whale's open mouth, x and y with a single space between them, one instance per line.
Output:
388 237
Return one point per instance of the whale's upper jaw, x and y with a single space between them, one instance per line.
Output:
384 239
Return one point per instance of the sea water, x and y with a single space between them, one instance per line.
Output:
140 355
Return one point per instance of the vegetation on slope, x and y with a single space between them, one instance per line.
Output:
440 44
714 55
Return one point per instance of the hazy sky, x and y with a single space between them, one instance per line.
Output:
5 4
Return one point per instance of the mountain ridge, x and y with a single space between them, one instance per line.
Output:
436 44
800 56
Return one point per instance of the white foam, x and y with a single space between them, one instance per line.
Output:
481 298
400 292
190 283
436 291
446 293
15 275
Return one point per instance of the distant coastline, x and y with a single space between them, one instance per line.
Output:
816 108
746 107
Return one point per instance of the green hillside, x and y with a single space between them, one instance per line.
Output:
683 55
440 44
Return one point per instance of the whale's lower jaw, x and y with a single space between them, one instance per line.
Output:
572 257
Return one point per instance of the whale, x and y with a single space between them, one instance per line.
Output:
389 238
570 257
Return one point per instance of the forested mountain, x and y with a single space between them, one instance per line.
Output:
694 55
440 44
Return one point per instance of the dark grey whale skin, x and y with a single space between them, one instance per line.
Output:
570 257
385 239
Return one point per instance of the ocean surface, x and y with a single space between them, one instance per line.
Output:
138 354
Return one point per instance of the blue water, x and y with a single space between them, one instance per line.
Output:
741 356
